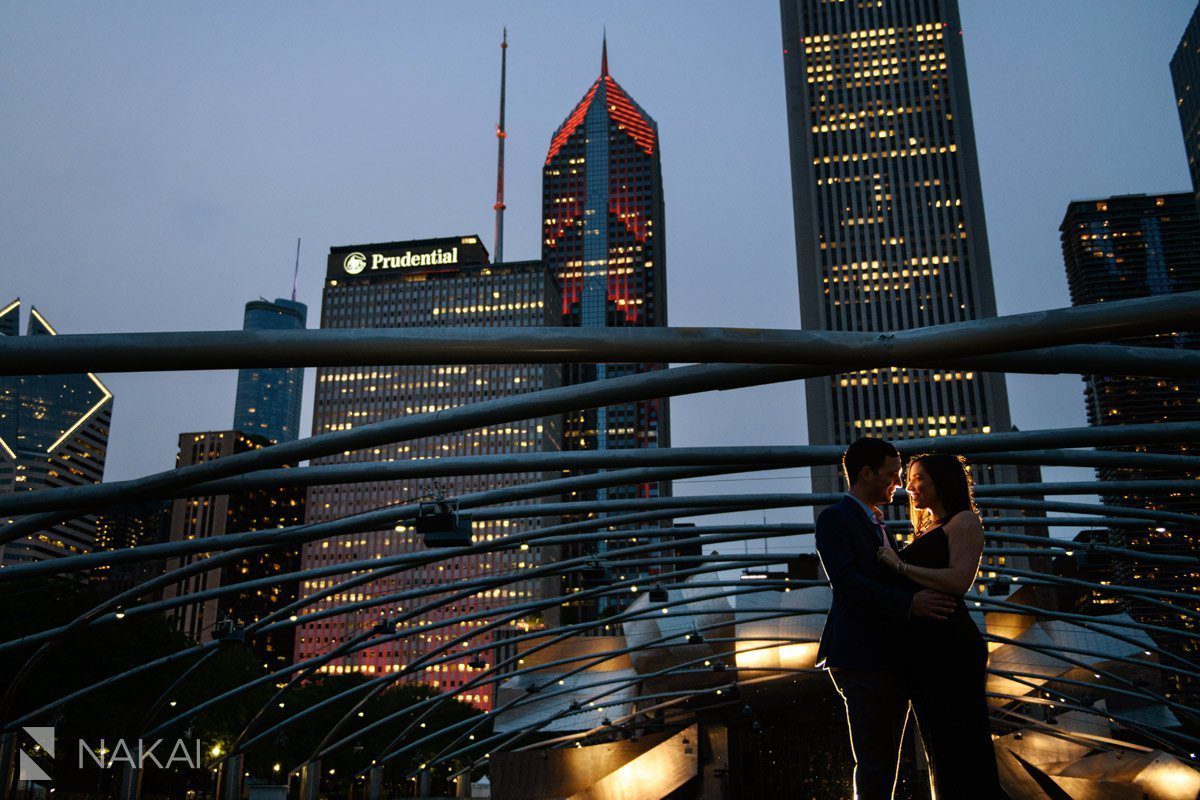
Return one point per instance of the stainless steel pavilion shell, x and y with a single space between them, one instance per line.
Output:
680 621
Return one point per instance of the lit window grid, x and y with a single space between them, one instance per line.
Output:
53 433
890 190
203 517
334 501
892 170
1121 248
77 461
497 296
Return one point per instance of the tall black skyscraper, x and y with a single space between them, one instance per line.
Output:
53 433
1185 75
889 217
1124 247
268 400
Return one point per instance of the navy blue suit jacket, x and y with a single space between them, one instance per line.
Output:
868 616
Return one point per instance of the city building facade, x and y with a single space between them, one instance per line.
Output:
603 237
131 525
430 283
1185 76
889 221
268 400
218 515
53 434
1093 566
1119 248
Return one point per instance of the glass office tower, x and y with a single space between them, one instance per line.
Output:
268 400
53 433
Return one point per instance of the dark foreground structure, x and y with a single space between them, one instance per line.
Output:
704 686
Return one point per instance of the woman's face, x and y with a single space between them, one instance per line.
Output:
919 486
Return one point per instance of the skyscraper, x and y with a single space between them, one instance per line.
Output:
1124 247
53 433
131 525
603 237
217 515
889 217
1185 75
429 283
602 208
268 400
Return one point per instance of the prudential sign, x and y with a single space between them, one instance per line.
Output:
357 262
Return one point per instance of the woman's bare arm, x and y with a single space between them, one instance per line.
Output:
965 535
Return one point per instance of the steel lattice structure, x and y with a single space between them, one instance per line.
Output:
1059 341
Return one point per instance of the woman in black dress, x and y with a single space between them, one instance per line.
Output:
947 658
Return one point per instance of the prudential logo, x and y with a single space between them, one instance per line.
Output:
43 743
354 263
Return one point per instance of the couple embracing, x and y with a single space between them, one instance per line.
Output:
898 632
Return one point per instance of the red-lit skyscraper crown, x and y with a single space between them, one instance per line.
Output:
631 190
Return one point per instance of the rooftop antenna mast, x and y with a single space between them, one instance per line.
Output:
500 137
296 273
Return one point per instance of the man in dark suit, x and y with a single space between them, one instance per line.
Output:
862 644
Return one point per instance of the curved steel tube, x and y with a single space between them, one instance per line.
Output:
848 350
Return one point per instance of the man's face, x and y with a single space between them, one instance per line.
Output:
881 484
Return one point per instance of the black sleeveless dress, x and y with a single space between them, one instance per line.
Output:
946 661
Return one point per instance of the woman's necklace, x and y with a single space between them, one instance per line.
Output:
930 529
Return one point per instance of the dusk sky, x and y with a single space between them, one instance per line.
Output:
160 160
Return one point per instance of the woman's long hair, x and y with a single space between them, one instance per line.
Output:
951 478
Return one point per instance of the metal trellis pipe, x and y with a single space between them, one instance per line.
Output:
849 350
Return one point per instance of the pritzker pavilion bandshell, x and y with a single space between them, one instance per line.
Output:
717 648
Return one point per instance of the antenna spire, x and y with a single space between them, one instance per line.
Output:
500 137
296 273
604 54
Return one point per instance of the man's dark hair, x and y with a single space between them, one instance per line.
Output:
866 452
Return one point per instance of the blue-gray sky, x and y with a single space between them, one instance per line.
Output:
160 159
